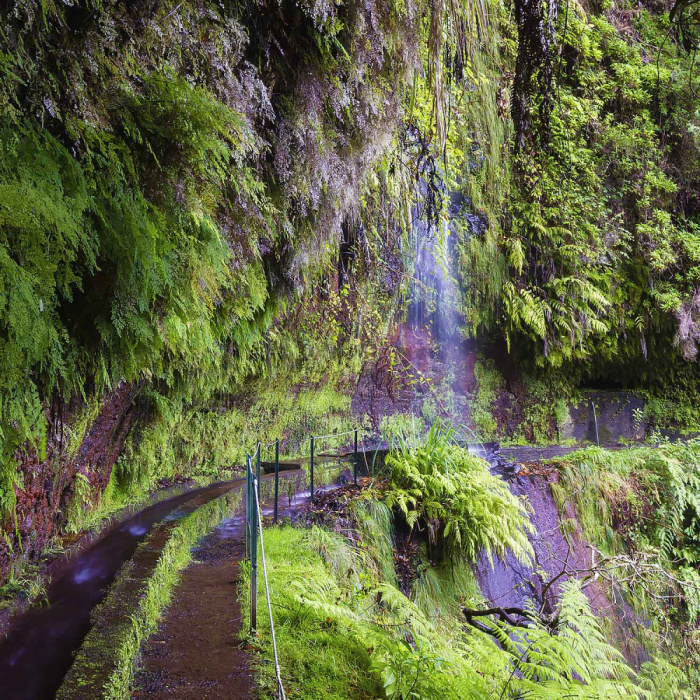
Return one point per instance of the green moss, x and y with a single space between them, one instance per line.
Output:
105 664
171 223
489 385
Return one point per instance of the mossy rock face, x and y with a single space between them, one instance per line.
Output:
173 198
624 417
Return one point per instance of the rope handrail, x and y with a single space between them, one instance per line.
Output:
460 431
254 522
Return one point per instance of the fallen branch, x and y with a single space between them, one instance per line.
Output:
504 614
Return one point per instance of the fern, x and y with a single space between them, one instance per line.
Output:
575 662
438 486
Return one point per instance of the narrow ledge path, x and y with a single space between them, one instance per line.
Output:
197 652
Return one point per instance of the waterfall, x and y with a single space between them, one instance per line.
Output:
434 302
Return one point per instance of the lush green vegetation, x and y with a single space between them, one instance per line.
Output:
173 195
184 210
440 488
639 508
344 631
592 263
188 214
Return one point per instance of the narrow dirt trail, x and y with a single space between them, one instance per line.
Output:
196 652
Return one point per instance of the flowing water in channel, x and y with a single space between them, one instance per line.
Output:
39 648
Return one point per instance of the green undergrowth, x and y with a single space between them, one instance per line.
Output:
675 408
99 511
210 445
438 487
345 630
26 582
489 383
533 409
640 509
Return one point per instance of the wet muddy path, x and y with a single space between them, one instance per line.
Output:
40 645
197 651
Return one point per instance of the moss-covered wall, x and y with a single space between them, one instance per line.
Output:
207 207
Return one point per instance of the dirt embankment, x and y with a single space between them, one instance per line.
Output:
46 487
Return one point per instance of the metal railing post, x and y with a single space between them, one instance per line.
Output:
277 474
257 464
254 560
247 506
595 419
312 468
354 464
280 688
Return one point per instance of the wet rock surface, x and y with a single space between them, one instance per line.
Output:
512 583
42 502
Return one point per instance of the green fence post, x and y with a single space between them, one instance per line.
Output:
354 464
277 474
247 506
254 560
312 468
257 466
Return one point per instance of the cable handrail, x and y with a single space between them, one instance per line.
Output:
280 688
252 480
347 432
260 445
254 525
252 530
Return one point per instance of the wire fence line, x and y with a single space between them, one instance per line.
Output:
280 688
254 522
254 525
277 441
